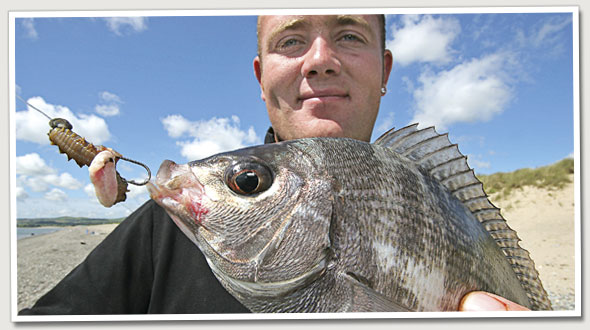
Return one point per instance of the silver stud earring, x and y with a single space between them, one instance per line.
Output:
383 90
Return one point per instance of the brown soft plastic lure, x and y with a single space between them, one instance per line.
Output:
73 145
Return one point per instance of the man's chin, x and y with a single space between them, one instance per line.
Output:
333 128
319 128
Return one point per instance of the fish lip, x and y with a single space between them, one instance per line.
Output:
179 192
173 178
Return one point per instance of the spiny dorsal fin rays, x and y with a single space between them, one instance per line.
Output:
409 140
427 146
435 154
392 135
478 203
469 192
382 140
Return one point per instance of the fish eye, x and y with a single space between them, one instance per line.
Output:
248 178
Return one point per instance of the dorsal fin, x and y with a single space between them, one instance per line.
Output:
435 154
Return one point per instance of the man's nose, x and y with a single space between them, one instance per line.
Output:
320 60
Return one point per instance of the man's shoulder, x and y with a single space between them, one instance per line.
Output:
149 217
270 136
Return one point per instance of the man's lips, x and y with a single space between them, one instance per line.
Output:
323 95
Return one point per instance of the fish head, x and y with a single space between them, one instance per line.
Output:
260 215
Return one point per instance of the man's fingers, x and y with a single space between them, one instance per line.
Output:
479 301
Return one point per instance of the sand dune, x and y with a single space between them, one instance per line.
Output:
543 219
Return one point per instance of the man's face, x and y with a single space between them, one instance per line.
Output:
322 75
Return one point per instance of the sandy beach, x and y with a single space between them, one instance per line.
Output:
543 219
43 260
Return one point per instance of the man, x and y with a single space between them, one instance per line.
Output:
319 76
322 75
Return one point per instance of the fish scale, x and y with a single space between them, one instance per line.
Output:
401 224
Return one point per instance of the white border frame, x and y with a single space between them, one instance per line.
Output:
574 10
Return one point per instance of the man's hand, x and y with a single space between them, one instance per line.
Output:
479 301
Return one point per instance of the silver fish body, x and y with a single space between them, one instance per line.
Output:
338 225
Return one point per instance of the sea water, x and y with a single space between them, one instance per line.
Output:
22 232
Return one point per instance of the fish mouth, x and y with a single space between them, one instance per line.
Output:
180 193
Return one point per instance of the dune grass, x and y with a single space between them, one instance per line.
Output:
553 176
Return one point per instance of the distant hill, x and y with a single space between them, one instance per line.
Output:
554 176
63 221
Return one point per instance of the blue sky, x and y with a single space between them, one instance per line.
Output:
182 88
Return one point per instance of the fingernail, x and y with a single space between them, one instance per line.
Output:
477 302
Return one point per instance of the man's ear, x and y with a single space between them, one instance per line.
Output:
387 65
258 69
258 73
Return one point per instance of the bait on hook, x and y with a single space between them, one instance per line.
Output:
110 187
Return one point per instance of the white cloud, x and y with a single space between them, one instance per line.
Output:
110 106
470 92
545 38
177 126
64 180
423 39
89 190
137 191
482 24
548 33
408 83
56 195
126 25
20 193
107 110
29 25
32 183
33 172
109 97
32 126
208 137
40 183
33 165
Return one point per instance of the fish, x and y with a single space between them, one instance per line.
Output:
330 225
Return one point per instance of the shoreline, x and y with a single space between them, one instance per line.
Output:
43 260
45 230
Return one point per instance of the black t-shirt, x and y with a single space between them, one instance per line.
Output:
146 265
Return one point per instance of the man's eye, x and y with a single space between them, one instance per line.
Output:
288 43
350 37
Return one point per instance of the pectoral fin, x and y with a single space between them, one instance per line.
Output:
365 299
